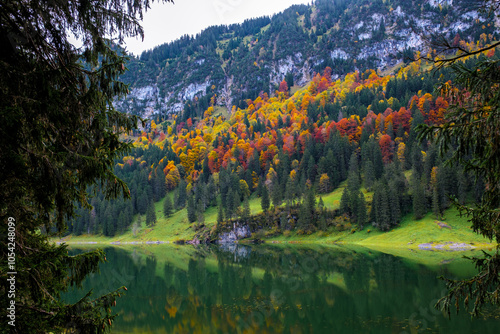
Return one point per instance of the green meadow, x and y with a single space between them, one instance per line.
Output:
426 233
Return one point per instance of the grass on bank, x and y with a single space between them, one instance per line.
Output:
408 235
177 227
173 228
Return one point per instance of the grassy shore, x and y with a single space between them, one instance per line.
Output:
177 226
450 233
426 233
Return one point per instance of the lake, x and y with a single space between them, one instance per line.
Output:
280 289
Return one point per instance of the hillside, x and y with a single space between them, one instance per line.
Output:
350 141
231 64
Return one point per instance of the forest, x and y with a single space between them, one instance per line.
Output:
346 149
358 132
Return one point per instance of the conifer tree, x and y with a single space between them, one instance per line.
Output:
462 186
369 175
260 185
108 228
332 169
290 191
142 203
471 131
307 210
276 192
220 214
419 201
151 214
122 221
230 204
180 199
344 202
311 201
416 159
362 214
436 208
380 206
322 215
191 209
378 163
394 205
304 217
200 216
211 192
264 199
245 214
168 207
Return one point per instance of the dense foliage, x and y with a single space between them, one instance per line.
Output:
59 135
358 132
471 134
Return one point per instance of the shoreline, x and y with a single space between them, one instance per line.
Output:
429 246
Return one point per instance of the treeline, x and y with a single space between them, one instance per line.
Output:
111 217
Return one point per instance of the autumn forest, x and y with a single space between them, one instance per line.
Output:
358 134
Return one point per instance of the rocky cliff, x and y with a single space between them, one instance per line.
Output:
225 65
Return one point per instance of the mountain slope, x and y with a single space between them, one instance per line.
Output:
233 63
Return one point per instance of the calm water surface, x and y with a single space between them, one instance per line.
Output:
264 289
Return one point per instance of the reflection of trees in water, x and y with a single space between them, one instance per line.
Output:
277 290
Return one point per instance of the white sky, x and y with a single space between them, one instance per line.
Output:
165 22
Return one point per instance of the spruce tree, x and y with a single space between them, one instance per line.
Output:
394 205
311 201
378 163
344 202
417 163
304 217
121 222
419 201
311 169
290 192
332 169
168 207
369 175
471 133
142 203
260 185
191 209
180 200
151 214
200 216
436 208
322 215
211 192
380 205
230 204
264 199
362 214
276 192
220 214
245 214
462 186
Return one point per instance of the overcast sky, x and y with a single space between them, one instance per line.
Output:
166 22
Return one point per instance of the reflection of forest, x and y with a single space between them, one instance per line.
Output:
268 290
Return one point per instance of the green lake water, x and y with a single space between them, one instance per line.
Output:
265 289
